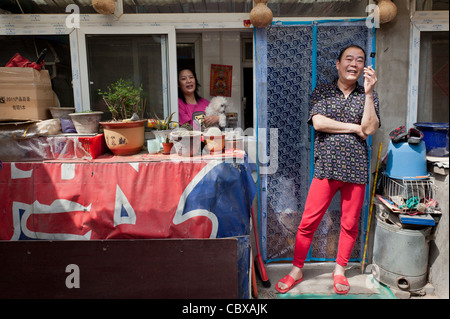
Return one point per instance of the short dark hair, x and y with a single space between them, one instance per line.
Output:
197 85
351 46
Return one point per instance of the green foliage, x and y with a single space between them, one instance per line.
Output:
122 99
164 124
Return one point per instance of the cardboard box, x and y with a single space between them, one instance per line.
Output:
25 94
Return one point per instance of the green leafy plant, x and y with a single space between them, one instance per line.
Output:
122 99
167 140
164 124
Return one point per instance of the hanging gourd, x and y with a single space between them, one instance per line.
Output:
261 16
104 6
387 10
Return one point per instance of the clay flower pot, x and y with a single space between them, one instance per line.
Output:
87 122
161 135
167 147
124 138
61 112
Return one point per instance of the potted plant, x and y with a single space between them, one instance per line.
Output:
162 128
86 122
124 134
167 145
61 112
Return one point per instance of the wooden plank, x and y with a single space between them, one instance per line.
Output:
160 268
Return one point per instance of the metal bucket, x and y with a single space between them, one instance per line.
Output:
400 256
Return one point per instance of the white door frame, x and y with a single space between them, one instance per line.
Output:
421 21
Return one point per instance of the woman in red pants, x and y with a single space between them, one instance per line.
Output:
343 114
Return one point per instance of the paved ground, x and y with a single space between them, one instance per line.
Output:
318 284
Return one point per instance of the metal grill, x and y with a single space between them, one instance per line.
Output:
410 194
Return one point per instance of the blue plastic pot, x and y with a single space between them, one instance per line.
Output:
406 161
435 136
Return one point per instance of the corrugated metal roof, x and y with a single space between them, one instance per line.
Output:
279 7
282 7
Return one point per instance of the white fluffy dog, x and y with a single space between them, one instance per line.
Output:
218 106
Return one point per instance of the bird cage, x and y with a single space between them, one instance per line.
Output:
410 194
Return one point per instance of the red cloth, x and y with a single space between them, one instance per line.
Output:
19 61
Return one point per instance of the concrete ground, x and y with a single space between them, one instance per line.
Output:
318 284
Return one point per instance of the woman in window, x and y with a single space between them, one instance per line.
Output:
191 106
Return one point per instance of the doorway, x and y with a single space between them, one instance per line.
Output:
247 99
232 49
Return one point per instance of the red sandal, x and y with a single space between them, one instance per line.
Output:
288 280
340 280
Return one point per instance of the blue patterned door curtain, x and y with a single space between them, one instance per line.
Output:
290 59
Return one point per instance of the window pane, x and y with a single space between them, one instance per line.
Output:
57 60
431 5
135 57
433 77
186 55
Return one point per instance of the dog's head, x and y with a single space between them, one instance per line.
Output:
219 103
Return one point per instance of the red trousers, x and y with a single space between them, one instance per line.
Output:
320 194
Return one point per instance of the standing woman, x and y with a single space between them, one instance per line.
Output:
190 104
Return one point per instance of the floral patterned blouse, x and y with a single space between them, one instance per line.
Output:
342 157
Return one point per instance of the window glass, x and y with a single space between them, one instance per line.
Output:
431 5
57 59
433 95
135 57
186 55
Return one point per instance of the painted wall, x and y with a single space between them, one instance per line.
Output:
392 65
439 252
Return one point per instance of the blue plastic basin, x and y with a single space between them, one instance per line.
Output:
406 161
435 136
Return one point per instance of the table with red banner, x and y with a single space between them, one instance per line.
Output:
139 197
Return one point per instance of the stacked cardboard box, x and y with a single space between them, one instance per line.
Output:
25 94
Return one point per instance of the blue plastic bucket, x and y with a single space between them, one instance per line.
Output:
435 136
406 161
